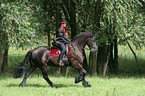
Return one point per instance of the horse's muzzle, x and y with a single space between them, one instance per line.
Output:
94 50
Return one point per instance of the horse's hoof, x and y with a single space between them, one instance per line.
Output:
85 84
21 85
54 86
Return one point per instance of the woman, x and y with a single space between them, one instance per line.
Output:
61 39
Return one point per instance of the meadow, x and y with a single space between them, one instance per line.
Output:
100 86
127 82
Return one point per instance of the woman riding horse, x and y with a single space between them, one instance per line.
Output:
40 58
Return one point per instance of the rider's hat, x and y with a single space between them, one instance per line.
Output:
63 21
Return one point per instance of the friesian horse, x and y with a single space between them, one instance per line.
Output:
39 58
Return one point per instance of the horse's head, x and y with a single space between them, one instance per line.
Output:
85 38
91 42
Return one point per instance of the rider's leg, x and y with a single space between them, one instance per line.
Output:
63 50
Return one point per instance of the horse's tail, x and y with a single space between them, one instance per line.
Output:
19 69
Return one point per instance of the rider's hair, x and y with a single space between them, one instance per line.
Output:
59 25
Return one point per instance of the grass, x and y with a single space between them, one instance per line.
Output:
127 61
101 86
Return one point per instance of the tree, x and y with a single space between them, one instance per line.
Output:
121 21
69 10
19 27
96 26
26 23
2 51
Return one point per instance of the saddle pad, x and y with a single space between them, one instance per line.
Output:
54 51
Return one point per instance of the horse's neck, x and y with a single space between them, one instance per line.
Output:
79 47
79 43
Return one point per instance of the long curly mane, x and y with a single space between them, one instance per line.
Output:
82 35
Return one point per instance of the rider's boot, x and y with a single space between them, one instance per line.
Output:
59 61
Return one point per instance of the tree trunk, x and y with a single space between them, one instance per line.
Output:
69 10
115 63
85 64
3 51
97 15
92 63
115 55
3 54
101 58
111 59
5 60
1 59
106 64
72 14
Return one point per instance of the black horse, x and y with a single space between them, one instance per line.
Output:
40 58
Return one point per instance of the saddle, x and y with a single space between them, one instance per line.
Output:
55 50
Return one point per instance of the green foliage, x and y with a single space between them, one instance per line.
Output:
19 22
118 18
26 22
122 19
85 15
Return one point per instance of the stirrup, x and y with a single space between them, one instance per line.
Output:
60 63
66 62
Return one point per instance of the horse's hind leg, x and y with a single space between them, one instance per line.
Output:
45 76
27 74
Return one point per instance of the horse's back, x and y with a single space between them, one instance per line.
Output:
41 49
39 52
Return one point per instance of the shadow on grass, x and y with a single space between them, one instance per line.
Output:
45 86
27 85
5 76
68 85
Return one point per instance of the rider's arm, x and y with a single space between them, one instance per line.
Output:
65 37
60 34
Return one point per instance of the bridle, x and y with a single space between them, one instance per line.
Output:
82 47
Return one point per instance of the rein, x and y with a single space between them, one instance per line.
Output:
81 47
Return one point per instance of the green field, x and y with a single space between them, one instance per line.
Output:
127 82
101 86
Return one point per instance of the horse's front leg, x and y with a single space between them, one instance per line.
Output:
85 83
81 76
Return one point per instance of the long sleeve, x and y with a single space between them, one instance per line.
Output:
59 33
65 37
61 37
